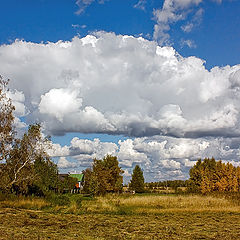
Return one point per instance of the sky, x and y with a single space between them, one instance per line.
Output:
155 83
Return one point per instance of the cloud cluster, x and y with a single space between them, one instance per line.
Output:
171 12
189 12
160 157
172 108
118 84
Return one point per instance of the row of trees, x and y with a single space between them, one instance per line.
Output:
206 176
106 176
174 184
210 175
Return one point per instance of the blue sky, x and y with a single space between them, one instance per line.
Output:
216 37
145 98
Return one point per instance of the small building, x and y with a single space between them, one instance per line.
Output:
78 186
80 178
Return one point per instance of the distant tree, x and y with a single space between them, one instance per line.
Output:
137 181
104 176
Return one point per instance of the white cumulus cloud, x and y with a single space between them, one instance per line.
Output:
118 84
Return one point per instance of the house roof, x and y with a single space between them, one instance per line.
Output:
78 176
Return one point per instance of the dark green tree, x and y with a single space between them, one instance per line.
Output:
104 176
46 178
137 181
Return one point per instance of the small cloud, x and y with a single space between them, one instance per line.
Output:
171 12
196 21
189 43
141 5
83 4
188 27
77 26
188 163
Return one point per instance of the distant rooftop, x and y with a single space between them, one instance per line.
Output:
79 176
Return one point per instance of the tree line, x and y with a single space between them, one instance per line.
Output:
206 176
174 184
210 175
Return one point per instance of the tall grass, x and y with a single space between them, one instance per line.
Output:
122 204
26 203
52 202
159 204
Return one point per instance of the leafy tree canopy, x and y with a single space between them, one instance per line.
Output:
104 176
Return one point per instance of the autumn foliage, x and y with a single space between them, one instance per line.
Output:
210 175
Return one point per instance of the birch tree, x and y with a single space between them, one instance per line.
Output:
6 121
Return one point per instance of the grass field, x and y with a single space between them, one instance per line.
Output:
123 217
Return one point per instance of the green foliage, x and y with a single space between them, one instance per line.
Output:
87 187
29 165
105 176
59 199
46 175
137 181
67 184
210 175
24 163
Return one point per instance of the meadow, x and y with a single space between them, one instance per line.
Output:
121 217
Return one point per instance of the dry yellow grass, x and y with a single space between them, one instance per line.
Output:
36 203
123 217
157 204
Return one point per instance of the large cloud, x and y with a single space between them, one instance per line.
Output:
121 85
